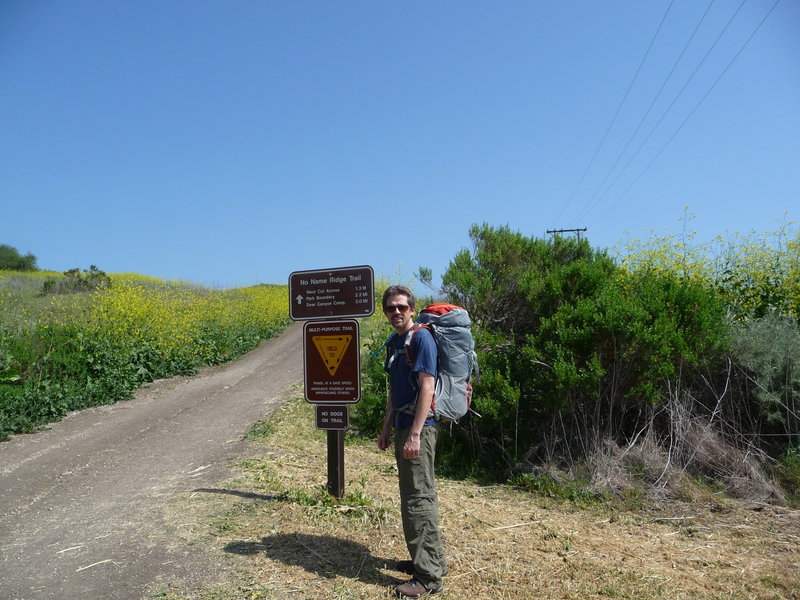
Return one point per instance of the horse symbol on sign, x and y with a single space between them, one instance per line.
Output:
331 349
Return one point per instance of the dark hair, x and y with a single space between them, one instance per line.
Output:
396 290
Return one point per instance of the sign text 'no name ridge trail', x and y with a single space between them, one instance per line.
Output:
330 293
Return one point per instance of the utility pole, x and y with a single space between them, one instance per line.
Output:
577 232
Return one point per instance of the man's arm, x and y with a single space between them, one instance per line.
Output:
385 436
424 401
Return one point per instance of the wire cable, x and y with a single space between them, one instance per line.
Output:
647 112
691 113
616 113
671 104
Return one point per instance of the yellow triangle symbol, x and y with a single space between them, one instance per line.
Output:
331 349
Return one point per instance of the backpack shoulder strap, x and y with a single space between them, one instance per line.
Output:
391 353
410 356
384 345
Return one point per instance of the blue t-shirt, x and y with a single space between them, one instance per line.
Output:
403 376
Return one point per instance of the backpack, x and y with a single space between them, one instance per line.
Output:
450 327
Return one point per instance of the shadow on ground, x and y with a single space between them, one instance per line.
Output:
248 495
322 555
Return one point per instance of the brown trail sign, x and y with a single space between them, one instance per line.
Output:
331 367
330 293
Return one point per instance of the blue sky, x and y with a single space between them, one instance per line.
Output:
231 143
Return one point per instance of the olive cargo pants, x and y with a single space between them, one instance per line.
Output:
419 506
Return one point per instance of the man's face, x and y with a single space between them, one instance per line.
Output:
399 313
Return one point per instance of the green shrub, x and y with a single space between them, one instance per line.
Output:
368 415
754 273
573 350
75 281
578 492
766 351
11 259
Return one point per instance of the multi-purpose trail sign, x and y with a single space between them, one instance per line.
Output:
332 372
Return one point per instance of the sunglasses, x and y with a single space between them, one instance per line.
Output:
397 307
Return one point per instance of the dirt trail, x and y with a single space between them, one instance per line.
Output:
80 503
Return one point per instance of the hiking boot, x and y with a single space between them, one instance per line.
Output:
412 589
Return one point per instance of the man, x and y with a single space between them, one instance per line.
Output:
408 410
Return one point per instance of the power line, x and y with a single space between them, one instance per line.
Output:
616 113
647 112
691 113
671 104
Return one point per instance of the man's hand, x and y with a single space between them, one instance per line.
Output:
411 447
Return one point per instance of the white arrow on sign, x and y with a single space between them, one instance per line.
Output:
299 298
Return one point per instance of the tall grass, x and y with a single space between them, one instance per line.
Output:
65 352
